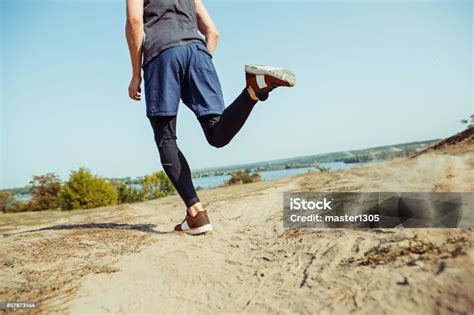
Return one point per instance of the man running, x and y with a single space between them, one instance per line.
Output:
163 39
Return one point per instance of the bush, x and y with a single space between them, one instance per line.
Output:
126 193
156 185
85 191
45 192
5 201
18 206
241 177
153 186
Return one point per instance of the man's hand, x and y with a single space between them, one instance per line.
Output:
134 89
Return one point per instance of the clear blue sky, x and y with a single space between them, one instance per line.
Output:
369 73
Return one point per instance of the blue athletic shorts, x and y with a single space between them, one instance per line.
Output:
186 73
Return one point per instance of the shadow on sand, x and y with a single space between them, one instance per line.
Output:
146 228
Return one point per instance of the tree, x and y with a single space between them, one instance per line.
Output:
45 192
156 185
127 193
5 200
469 122
85 191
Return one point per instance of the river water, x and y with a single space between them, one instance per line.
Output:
214 181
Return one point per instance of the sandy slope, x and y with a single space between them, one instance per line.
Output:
123 259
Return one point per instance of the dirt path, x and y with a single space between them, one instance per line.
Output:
124 259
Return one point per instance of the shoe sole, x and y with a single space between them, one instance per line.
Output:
197 231
279 73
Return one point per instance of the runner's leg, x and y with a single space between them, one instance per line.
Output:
173 161
201 91
220 129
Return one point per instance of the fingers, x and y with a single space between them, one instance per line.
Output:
135 93
136 96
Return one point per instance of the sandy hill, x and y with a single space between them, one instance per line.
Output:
125 259
459 143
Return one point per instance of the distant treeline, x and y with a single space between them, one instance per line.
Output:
387 152
17 191
353 156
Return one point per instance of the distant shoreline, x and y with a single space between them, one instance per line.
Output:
380 153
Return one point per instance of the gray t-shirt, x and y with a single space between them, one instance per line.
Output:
168 23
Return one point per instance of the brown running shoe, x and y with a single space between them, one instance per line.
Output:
194 225
264 79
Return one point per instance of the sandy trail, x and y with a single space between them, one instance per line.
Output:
124 259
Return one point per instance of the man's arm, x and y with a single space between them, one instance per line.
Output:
207 27
134 33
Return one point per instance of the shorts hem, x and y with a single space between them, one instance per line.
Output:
209 112
157 114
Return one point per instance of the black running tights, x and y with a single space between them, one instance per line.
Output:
219 131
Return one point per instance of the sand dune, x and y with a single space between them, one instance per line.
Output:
124 259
